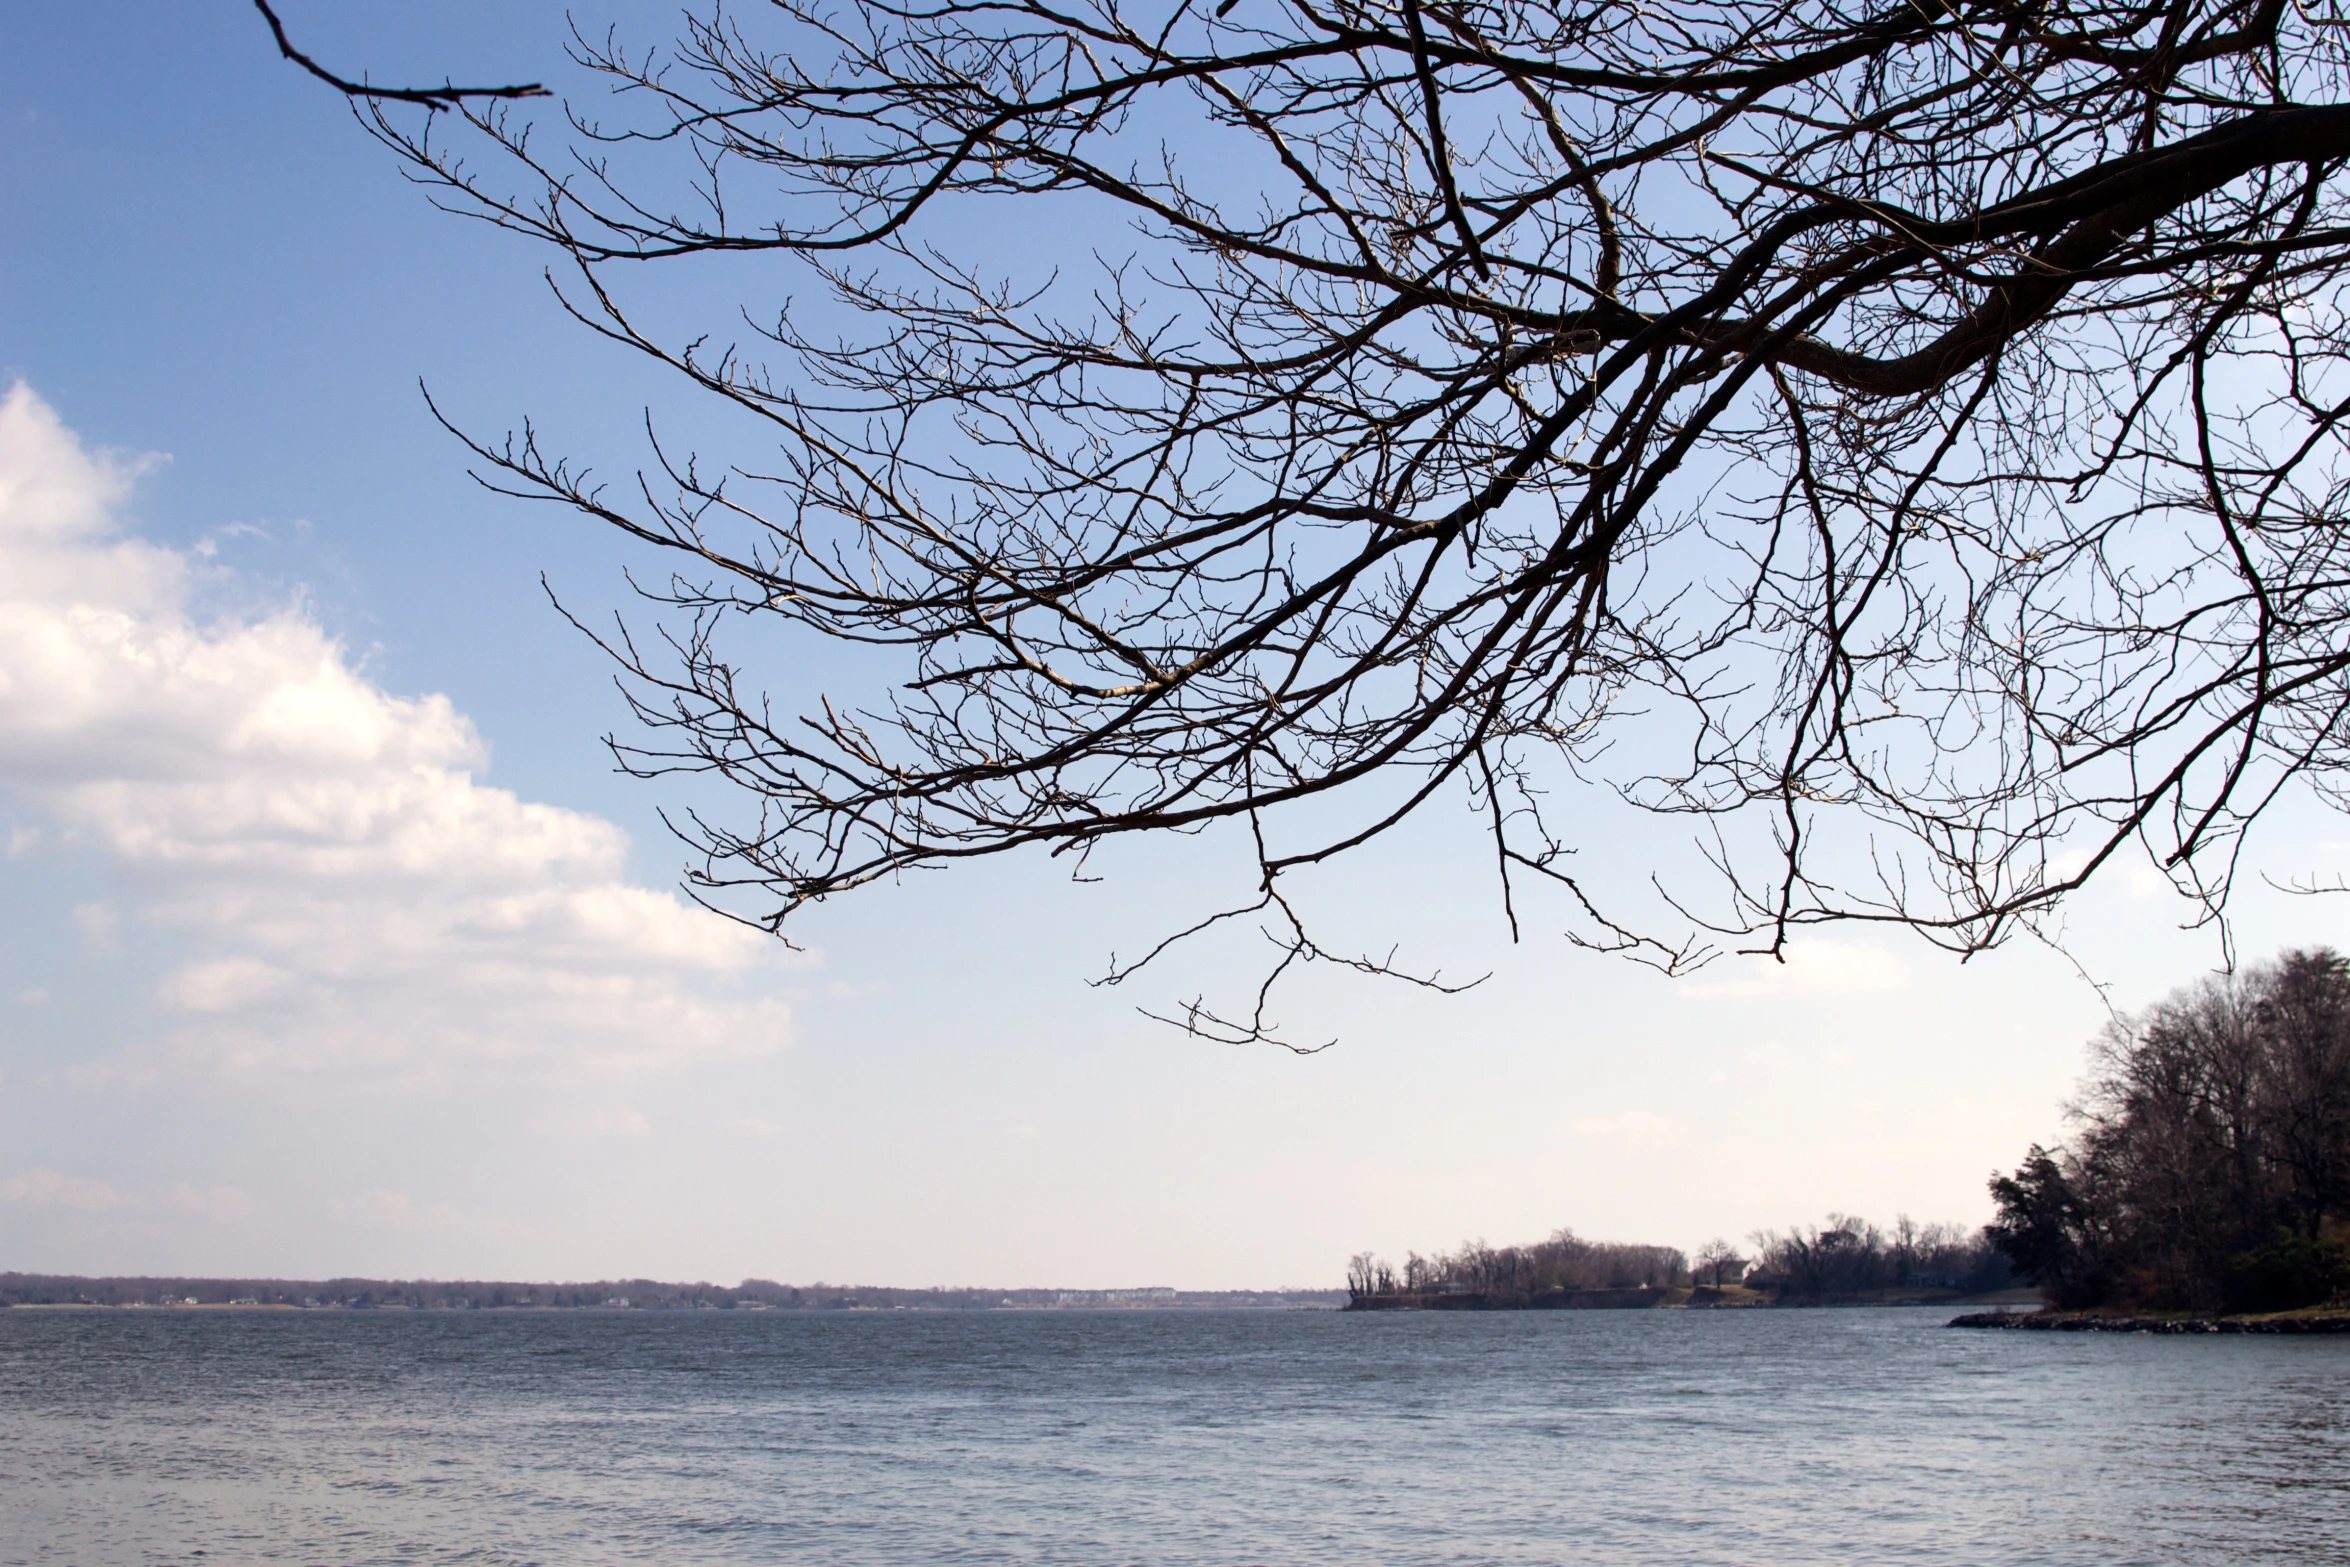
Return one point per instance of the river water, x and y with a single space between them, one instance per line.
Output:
1158 1437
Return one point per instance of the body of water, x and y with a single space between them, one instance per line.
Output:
1157 1437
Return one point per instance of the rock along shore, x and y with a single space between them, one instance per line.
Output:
2088 1322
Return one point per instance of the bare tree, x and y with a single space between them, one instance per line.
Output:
1902 440
1718 1263
1367 1276
2305 1020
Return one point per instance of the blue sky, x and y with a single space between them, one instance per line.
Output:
334 944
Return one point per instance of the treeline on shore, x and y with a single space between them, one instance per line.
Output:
39 1289
2210 1168
1847 1259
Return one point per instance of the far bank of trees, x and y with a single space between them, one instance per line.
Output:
1850 1258
1846 1259
2211 1168
1500 1275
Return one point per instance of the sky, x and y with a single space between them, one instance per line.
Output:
330 942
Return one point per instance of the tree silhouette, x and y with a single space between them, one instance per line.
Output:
1902 441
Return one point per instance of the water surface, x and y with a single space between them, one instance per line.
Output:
1159 1437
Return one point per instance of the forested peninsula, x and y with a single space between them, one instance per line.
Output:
2209 1171
1846 1261
2206 1186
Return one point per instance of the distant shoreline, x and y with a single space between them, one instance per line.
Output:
72 1292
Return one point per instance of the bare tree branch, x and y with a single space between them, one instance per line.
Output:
431 97
1904 444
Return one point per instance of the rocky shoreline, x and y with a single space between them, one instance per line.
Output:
2090 1322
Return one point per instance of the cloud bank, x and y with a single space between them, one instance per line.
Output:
347 895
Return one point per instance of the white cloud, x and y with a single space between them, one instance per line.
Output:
1814 968
1637 1128
352 896
95 923
55 1191
222 986
584 1123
